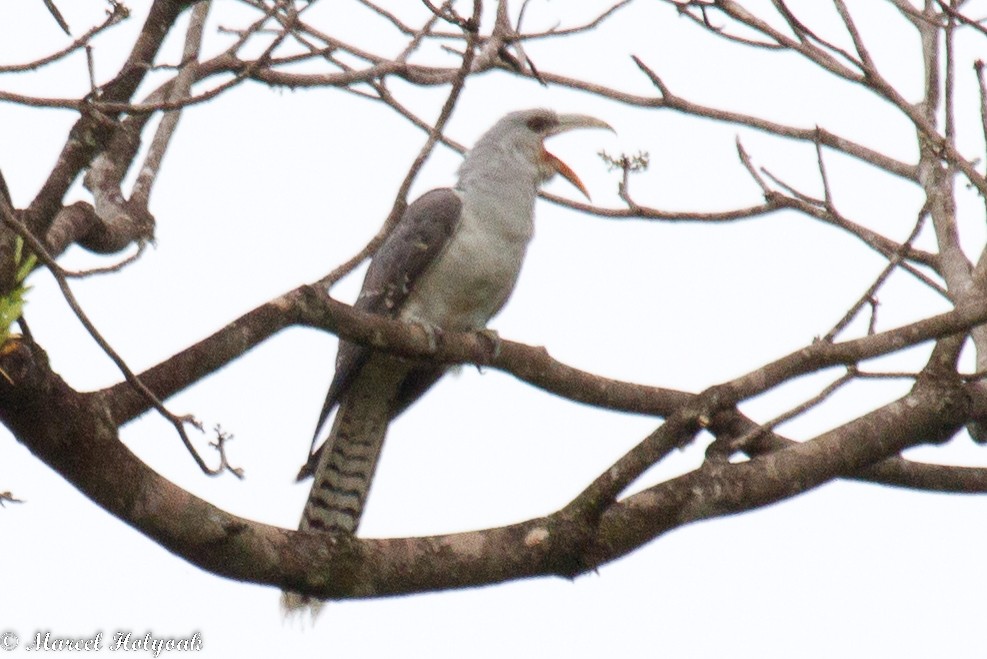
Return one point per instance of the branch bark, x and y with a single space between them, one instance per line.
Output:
76 435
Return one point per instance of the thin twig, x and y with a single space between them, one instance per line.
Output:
390 17
509 36
60 279
638 212
804 33
241 73
794 192
704 21
653 77
873 303
141 191
949 84
585 27
980 270
827 212
824 176
743 440
433 138
448 14
108 269
57 15
959 16
745 159
921 115
91 68
868 296
888 375
978 67
866 63
678 430
7 497
118 14
222 437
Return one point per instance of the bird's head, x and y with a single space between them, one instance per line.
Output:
525 131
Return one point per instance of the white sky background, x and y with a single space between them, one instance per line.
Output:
263 190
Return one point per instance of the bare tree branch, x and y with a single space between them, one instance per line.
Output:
400 202
177 421
92 131
868 296
326 566
283 44
117 13
169 122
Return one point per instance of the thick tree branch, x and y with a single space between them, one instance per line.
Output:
77 433
310 306
93 130
77 437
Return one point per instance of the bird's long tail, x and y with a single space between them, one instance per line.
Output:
346 465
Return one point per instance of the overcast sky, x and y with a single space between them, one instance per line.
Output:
265 189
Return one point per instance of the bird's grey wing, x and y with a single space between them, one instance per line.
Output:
419 237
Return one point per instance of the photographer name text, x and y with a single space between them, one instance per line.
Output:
46 641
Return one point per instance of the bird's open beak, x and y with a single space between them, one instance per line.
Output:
569 122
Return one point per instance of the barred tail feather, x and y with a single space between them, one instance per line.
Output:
346 469
346 466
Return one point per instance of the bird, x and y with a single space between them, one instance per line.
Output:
450 264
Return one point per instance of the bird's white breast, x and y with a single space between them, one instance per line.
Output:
475 273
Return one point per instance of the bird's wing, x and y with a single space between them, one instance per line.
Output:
419 237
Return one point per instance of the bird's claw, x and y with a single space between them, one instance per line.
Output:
491 350
433 334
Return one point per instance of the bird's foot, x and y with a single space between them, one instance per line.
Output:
433 334
491 348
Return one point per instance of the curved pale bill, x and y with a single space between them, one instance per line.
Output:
569 122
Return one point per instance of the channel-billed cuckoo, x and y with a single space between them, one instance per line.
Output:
449 264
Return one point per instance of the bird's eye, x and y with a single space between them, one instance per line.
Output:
539 124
